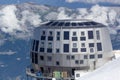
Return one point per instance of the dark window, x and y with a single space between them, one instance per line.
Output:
83 38
91 44
68 57
37 44
33 45
66 35
82 33
33 59
57 50
50 38
61 24
99 47
76 62
49 23
81 61
36 58
66 48
98 35
57 63
83 49
82 44
74 50
50 33
49 58
49 50
91 50
92 56
99 55
42 49
43 37
42 58
85 56
74 38
54 24
72 57
58 33
90 34
74 33
43 33
58 38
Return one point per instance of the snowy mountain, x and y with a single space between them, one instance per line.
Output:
17 23
109 71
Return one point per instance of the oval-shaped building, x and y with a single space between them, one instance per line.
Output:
69 45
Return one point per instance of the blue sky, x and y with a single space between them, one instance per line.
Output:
54 3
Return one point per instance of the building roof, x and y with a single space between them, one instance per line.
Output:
53 24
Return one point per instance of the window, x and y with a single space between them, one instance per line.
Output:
42 49
58 36
42 58
49 58
90 34
49 45
85 56
74 44
50 38
74 33
98 35
74 38
57 63
92 56
43 37
57 50
66 35
68 57
82 33
50 33
83 49
100 55
58 33
72 57
77 75
81 61
43 32
33 45
76 62
37 44
42 45
66 48
33 59
91 50
82 44
99 47
49 50
74 49
91 44
36 58
82 38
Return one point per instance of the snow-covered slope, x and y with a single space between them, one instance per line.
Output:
109 71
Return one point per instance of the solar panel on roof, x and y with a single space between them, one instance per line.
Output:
93 23
80 24
67 24
87 23
73 24
49 23
60 24
54 23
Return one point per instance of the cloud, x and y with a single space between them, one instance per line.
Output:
94 1
8 20
10 52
